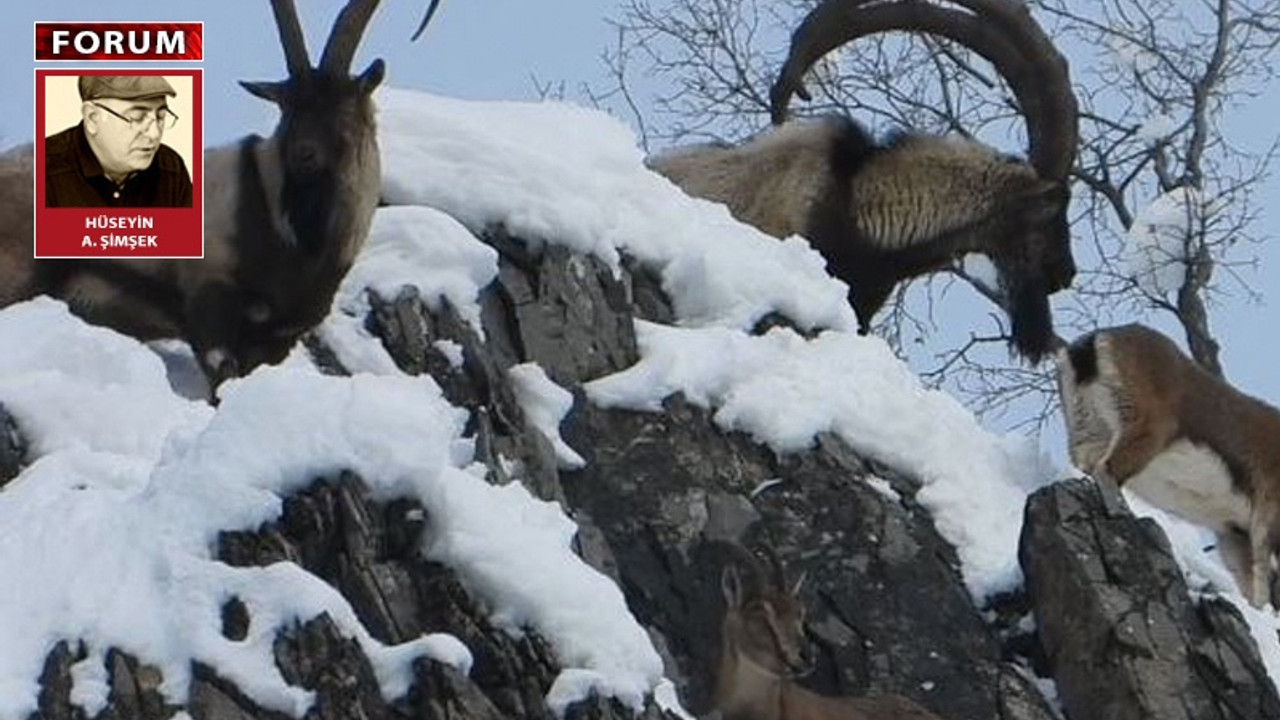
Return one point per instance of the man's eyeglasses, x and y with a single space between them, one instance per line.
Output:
140 120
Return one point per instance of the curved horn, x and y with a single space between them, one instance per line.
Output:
1001 31
295 45
1044 91
344 38
431 10
778 574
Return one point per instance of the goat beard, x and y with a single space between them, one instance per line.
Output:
309 205
1031 318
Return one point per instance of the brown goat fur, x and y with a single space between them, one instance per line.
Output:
884 212
764 648
17 216
1145 415
880 214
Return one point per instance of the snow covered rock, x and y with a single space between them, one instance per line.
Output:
385 527
661 491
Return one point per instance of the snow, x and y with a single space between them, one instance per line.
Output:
415 246
545 404
666 697
1155 249
531 576
980 268
89 680
1131 54
781 388
110 531
1206 575
1157 127
147 479
425 248
557 172
452 352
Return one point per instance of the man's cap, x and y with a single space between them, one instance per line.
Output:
124 87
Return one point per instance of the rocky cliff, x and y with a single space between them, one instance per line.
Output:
1104 618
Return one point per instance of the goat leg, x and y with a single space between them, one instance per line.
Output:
215 314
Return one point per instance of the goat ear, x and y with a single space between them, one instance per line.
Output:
731 586
272 91
372 76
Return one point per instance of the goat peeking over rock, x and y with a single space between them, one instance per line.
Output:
880 213
285 217
764 648
1142 414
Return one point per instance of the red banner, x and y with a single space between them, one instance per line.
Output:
173 41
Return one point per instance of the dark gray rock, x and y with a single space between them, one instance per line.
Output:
1018 697
317 657
1122 636
566 312
369 552
133 688
410 332
55 684
648 300
443 693
213 698
887 608
235 620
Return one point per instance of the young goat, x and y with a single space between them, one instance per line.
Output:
883 213
285 217
1142 414
763 648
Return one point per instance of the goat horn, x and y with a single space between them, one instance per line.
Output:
295 45
1043 87
779 571
1001 31
347 30
431 10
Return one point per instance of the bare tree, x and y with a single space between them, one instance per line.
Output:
1154 107
1164 212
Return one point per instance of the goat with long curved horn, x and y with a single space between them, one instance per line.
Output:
1002 32
882 213
285 217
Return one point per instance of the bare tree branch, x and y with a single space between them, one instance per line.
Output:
1156 80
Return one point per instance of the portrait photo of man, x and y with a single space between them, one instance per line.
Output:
115 156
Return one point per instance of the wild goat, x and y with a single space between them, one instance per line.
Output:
763 650
1142 414
285 217
883 213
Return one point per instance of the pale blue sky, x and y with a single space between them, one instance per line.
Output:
492 50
